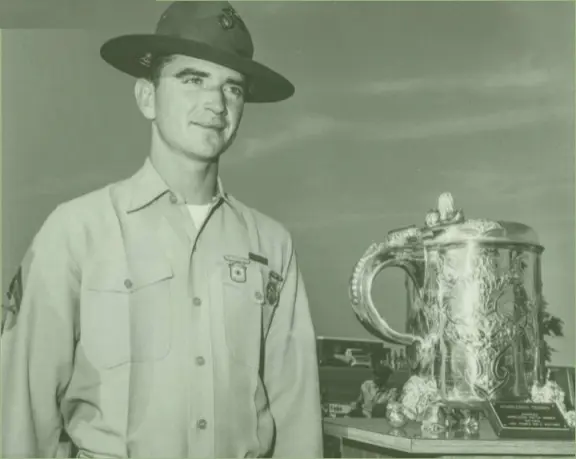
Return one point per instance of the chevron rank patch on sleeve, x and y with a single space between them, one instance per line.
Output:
12 301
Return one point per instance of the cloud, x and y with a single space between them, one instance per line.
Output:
50 186
482 83
319 221
317 126
523 74
301 128
505 184
466 124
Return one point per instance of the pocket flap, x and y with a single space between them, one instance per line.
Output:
114 276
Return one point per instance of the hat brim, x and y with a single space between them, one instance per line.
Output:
125 54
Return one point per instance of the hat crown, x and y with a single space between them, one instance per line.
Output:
214 23
207 30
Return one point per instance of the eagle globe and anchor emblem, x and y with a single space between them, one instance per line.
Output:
229 18
473 318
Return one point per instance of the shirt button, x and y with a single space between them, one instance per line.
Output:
128 283
200 361
173 198
196 301
202 424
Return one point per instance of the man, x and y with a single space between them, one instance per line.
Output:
159 316
375 393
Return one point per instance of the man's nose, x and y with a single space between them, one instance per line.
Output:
216 102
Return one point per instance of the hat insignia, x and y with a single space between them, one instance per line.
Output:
146 60
229 18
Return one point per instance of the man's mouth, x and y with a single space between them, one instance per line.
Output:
213 126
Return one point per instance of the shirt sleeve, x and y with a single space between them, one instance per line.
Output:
38 344
291 375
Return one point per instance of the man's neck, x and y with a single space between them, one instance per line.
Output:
196 182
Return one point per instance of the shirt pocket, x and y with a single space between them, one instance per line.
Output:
126 313
243 302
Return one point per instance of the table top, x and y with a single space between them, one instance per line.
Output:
410 439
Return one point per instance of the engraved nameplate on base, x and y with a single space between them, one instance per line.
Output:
528 420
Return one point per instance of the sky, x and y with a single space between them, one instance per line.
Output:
396 102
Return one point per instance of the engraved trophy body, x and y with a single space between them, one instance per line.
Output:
474 319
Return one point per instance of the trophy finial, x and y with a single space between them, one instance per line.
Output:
445 206
445 214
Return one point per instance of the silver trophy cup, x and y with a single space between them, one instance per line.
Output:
474 317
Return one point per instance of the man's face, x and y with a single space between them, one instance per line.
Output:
196 107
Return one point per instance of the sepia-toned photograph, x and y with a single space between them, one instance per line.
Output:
281 229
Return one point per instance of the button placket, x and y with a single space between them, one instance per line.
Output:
201 409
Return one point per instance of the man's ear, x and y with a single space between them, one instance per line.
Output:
144 92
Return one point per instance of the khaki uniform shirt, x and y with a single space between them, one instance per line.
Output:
140 335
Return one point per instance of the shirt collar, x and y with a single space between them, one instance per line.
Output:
148 186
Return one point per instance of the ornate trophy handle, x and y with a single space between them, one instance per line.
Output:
401 250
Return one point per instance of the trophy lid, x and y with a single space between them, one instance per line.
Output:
446 226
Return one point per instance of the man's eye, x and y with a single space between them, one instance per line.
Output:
193 80
236 90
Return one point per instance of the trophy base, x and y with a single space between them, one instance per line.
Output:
462 419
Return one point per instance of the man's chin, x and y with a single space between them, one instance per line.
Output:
207 155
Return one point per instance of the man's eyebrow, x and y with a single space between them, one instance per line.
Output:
236 81
189 71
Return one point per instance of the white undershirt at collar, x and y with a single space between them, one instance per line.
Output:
198 213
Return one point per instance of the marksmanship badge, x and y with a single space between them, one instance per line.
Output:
237 267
